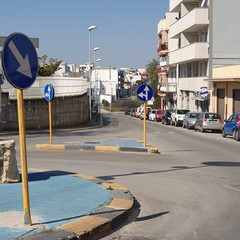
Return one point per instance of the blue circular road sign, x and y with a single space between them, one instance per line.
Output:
144 92
49 92
20 61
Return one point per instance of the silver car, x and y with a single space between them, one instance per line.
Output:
189 119
208 121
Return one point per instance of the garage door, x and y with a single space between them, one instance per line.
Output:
220 102
236 100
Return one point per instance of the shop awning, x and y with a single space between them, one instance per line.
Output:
215 80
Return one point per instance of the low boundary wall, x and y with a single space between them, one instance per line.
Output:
67 111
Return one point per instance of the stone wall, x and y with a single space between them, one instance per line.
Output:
67 111
8 164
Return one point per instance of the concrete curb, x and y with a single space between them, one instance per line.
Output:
98 223
95 148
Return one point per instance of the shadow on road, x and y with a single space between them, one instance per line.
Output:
40 176
222 164
150 216
175 168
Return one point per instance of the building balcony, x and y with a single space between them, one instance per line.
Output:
168 87
162 49
193 52
191 22
161 71
175 5
163 26
164 61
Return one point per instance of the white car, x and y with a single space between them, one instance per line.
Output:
152 115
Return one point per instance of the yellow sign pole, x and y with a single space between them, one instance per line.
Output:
23 157
50 120
144 124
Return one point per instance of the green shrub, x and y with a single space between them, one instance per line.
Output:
121 105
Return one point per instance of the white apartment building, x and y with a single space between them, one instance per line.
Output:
189 60
207 57
107 84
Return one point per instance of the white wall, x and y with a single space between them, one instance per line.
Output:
63 86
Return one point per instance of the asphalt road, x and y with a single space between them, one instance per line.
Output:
189 191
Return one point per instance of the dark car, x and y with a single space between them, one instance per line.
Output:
230 125
127 111
132 112
238 130
166 118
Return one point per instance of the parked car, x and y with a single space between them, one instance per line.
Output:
189 119
127 111
148 110
158 115
208 121
238 130
139 111
177 116
152 115
230 125
166 117
133 110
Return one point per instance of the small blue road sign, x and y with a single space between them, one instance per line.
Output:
49 92
144 92
20 61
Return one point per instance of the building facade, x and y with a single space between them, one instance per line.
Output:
206 60
167 87
190 60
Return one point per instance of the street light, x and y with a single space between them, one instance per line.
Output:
90 87
111 97
95 88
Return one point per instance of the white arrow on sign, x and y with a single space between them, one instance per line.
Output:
47 94
24 67
146 90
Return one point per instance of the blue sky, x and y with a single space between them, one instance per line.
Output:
126 29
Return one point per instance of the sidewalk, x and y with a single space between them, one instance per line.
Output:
63 205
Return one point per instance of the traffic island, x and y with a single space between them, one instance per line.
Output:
101 148
98 222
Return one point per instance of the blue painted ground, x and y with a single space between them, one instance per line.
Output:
55 198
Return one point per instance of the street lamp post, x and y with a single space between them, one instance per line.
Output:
90 86
98 91
96 76
95 61
111 97
95 87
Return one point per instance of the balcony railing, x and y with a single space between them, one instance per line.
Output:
162 48
168 87
191 22
195 51
161 70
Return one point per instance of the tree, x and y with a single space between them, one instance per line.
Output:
48 68
151 70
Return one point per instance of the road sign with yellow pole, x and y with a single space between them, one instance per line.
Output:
20 66
144 94
49 95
